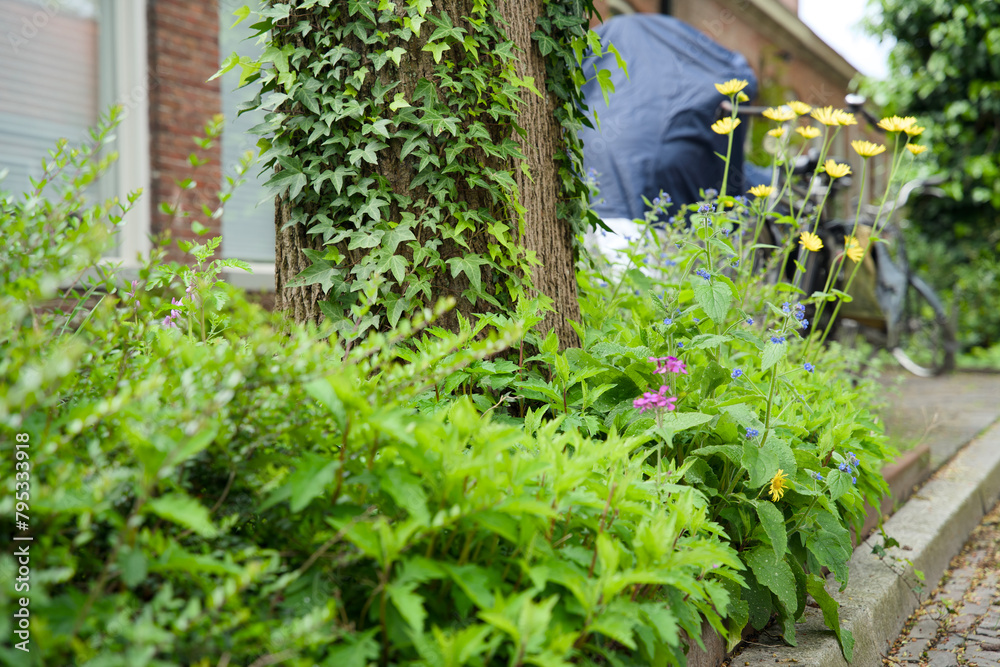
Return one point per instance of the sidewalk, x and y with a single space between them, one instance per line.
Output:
946 414
960 623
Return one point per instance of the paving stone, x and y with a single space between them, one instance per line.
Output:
962 623
985 643
924 629
951 643
936 658
913 648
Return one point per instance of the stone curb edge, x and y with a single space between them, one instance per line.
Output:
931 528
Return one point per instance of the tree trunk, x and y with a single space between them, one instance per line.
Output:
544 234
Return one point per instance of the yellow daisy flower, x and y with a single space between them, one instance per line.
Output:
809 132
916 149
761 190
800 108
867 149
845 118
827 116
742 97
732 86
853 249
914 130
835 170
778 485
777 132
810 242
779 115
896 124
725 126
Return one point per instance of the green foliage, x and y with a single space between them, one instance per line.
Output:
253 494
406 173
944 68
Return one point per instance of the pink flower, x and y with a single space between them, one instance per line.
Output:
668 365
656 401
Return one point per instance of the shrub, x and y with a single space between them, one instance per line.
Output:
244 494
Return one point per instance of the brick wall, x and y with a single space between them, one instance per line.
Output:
183 54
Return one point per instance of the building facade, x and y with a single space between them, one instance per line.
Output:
66 61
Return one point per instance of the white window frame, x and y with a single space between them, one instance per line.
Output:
130 86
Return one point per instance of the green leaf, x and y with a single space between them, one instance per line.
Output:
322 391
773 522
134 567
469 265
310 480
607 86
759 463
714 297
436 48
409 604
773 572
185 511
816 586
773 353
357 650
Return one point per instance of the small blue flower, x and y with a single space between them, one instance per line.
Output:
801 308
786 308
705 208
667 321
842 467
696 320
854 480
680 344
670 262
735 263
725 231
740 199
799 314
711 192
817 476
777 340
601 283
804 324
809 367
736 373
749 320
752 432
703 273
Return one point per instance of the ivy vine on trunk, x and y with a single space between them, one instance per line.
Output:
423 150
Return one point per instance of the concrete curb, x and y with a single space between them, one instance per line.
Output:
931 528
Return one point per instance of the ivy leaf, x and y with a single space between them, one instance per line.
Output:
286 180
436 48
240 15
398 102
607 86
469 265
338 174
396 54
367 153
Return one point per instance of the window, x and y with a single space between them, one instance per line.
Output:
248 218
64 63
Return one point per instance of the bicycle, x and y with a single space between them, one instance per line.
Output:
896 308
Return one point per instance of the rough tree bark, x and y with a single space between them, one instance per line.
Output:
546 235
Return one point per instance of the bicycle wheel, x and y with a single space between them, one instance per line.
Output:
924 339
